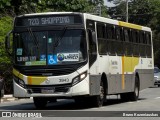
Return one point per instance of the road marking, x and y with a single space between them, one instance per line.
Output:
157 98
130 102
134 102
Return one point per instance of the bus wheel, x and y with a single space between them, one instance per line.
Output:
135 94
99 99
39 102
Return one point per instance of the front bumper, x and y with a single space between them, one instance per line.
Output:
157 81
82 88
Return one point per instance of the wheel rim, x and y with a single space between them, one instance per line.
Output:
102 92
101 96
136 91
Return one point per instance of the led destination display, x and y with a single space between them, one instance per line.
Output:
48 20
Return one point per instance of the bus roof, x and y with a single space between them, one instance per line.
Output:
48 13
95 18
116 22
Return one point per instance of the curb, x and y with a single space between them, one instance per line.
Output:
9 98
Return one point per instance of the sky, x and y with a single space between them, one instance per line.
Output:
109 4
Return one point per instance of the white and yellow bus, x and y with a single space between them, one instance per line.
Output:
78 55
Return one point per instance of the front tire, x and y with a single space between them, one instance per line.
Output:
99 99
2 93
39 102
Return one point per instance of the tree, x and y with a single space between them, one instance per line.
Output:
5 62
118 11
30 6
4 3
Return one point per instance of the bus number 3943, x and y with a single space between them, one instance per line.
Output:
64 80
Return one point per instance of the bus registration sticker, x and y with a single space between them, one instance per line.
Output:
47 90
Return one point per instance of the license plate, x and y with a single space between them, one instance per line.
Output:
47 91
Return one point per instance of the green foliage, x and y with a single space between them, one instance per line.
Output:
4 3
5 62
5 26
32 6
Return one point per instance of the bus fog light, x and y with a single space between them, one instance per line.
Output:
76 80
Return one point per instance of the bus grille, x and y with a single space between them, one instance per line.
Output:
38 89
52 72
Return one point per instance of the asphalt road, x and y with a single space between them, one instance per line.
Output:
114 108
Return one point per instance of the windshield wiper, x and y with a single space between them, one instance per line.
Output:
60 37
34 38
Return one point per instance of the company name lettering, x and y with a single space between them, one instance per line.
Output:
71 56
68 57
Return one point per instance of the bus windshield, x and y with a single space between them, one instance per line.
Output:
66 46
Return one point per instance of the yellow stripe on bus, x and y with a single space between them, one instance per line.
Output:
128 65
123 79
29 80
129 25
32 80
18 74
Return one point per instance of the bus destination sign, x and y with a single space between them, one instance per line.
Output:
46 20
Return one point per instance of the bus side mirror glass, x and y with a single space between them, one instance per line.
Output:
8 41
94 36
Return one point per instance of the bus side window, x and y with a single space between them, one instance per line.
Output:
101 36
90 25
119 40
142 45
92 47
148 38
118 34
141 37
130 35
148 46
135 36
128 47
100 30
110 31
126 36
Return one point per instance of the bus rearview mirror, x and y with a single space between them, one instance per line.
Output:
7 40
94 36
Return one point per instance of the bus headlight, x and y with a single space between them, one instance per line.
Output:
79 78
19 81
